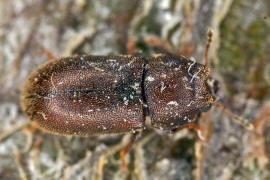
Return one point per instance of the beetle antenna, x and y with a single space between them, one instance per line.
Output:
209 34
240 120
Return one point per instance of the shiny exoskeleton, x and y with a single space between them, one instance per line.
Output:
92 95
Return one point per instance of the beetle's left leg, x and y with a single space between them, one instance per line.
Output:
154 41
127 149
49 54
198 129
152 45
193 126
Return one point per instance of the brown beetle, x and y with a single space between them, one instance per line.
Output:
93 95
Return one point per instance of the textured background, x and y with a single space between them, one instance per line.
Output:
240 60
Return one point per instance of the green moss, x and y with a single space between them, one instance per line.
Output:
243 44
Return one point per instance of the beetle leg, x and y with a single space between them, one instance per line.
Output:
49 54
197 128
127 149
132 46
152 43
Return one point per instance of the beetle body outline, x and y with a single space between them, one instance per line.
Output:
92 95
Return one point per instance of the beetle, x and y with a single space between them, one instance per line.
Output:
92 95
88 95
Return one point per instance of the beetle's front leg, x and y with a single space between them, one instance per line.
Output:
193 126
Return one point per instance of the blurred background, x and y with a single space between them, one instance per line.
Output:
239 59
